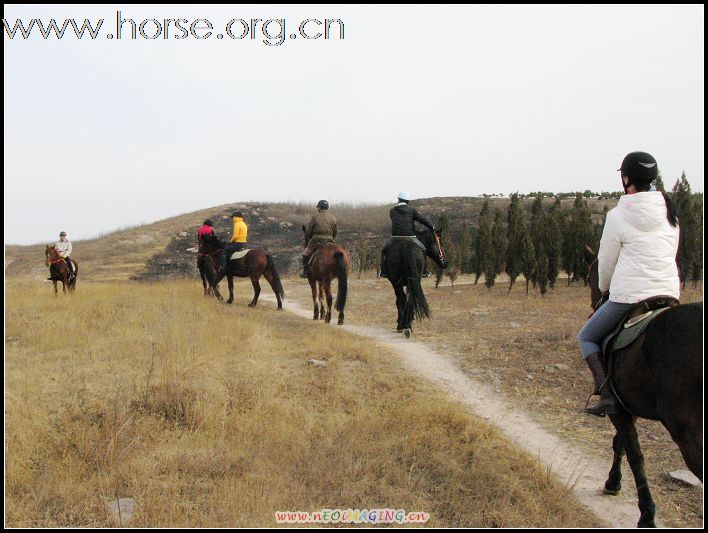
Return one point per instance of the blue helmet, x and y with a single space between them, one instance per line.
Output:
405 196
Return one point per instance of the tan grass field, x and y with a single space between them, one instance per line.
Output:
208 415
512 341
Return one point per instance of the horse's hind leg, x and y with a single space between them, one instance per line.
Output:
321 300
400 306
256 291
230 280
687 432
614 479
56 291
269 278
313 288
624 424
328 294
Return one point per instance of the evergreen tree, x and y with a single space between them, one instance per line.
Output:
554 241
483 241
514 236
538 231
527 256
497 252
683 201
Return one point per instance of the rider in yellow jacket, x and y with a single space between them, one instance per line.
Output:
238 240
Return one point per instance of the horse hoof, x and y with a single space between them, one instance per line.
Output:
399 330
340 321
280 308
251 305
407 333
611 492
229 302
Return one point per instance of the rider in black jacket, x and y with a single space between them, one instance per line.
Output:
403 218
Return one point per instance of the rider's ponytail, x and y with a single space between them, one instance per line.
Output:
671 214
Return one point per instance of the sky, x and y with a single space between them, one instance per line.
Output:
434 100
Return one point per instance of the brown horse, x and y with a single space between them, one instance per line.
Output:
254 264
59 271
658 377
328 261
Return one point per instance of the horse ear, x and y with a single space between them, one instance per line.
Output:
438 232
303 229
589 255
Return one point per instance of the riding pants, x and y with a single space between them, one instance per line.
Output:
600 324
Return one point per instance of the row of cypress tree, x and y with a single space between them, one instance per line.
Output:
542 243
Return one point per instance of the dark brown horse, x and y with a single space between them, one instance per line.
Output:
658 377
59 271
328 262
404 263
254 264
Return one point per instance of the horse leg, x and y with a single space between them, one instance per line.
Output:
64 282
230 280
313 288
269 278
328 294
215 287
321 299
614 479
687 432
56 291
400 306
624 424
256 291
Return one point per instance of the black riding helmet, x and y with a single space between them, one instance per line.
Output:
238 214
323 204
639 167
208 222
62 234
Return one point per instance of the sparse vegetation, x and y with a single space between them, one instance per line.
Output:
209 415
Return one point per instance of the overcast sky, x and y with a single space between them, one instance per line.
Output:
437 101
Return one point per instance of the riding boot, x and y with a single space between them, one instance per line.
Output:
70 267
383 273
305 267
606 404
222 263
426 272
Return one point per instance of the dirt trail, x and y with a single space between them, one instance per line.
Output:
573 468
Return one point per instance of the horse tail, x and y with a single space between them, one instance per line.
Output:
342 280
416 304
276 277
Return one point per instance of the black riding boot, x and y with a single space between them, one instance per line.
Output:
606 404
70 267
305 268
426 272
222 262
383 273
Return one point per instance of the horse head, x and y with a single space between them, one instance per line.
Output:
211 244
50 254
593 279
433 248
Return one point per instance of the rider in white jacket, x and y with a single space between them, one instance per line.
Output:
636 261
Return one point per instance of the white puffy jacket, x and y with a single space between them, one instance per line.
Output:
637 257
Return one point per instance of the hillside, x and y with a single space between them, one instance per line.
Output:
167 248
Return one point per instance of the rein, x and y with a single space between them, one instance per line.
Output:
440 252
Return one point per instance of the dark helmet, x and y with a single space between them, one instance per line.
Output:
639 167
208 222
323 204
237 214
62 234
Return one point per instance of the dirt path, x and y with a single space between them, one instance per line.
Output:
587 476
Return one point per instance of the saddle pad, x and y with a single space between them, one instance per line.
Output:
239 255
626 334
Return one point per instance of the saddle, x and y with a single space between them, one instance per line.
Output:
634 323
239 255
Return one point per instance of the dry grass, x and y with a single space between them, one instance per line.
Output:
509 340
209 415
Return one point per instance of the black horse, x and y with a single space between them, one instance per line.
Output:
405 262
658 377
